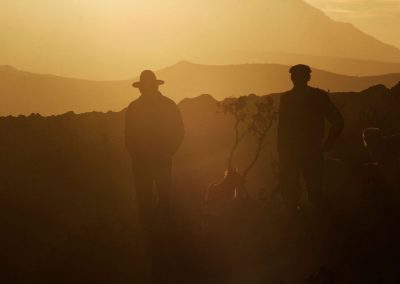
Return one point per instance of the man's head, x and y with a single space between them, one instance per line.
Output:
301 75
148 83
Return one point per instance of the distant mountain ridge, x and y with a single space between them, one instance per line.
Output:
25 93
339 65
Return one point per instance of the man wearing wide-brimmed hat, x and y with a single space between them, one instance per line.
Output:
153 133
301 144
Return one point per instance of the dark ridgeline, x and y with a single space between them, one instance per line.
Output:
302 114
68 211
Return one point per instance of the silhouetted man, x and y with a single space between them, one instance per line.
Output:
154 131
302 114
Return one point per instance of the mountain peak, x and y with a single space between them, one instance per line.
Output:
184 63
290 26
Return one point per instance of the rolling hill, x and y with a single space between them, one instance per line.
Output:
24 93
339 65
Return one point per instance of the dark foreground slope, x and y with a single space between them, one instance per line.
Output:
68 215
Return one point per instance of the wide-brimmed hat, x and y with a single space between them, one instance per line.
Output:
148 77
300 69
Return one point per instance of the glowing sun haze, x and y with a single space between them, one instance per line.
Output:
106 39
81 37
114 39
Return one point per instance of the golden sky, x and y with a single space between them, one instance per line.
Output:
114 39
88 38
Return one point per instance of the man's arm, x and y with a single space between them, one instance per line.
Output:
336 120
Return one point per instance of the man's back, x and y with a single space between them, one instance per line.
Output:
154 127
302 115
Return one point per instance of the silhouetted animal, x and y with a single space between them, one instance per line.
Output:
381 148
385 151
226 189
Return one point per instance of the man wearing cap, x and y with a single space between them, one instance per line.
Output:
301 144
153 133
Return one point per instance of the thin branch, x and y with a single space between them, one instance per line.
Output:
261 145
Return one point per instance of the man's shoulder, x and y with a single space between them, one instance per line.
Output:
286 94
168 103
317 91
134 103
167 100
161 101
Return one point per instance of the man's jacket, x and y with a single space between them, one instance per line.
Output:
154 128
302 115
